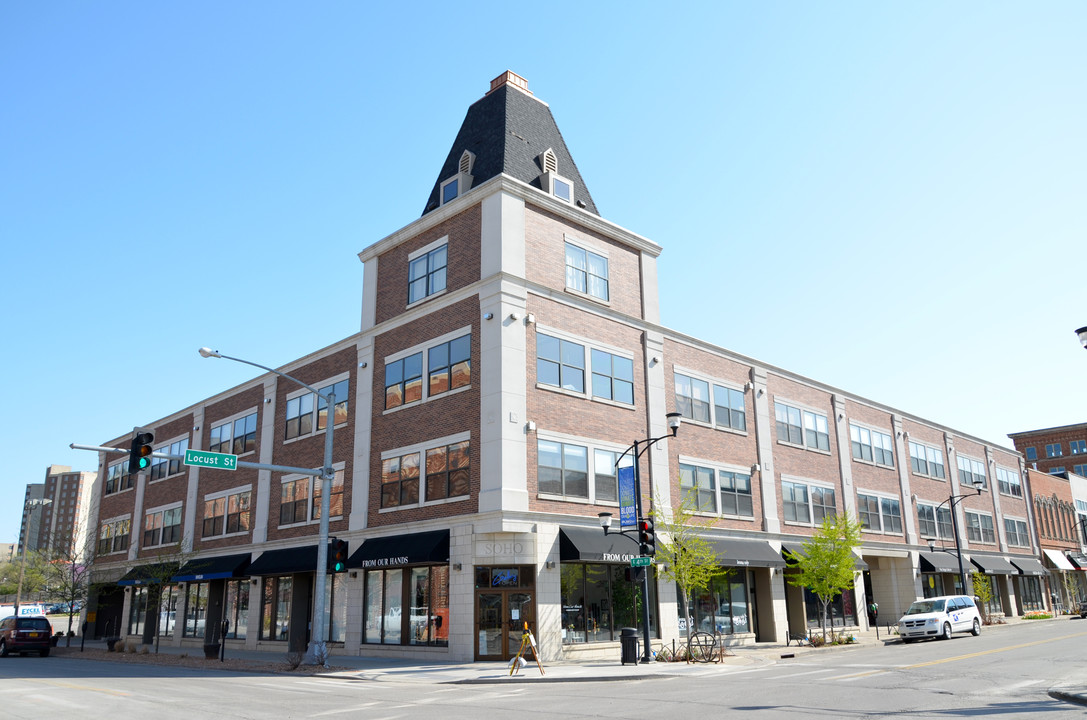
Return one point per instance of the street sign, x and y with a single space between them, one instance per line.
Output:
219 461
641 561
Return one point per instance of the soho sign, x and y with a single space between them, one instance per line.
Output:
502 548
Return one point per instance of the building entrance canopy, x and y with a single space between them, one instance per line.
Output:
592 545
395 550
213 568
1029 566
993 564
939 562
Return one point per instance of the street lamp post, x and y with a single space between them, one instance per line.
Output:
316 651
979 485
636 451
26 541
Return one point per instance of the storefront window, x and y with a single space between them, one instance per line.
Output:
237 608
428 621
275 612
336 605
168 602
840 610
721 608
425 594
196 609
1030 590
138 610
598 600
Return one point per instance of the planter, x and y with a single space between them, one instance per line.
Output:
211 651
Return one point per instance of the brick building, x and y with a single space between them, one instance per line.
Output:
1054 450
509 353
1060 511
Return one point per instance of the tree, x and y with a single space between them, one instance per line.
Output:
983 590
686 557
68 570
826 566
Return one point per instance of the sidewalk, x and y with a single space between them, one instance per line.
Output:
377 669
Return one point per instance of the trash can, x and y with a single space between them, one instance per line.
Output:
629 641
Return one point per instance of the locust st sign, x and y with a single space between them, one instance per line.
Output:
219 461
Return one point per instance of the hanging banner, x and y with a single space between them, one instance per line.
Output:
628 514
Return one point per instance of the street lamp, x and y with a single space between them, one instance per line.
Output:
636 451
1082 333
316 651
978 485
26 541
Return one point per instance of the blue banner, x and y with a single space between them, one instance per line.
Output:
628 514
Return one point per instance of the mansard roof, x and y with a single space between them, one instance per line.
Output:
508 130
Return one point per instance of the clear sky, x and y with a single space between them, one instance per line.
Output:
886 197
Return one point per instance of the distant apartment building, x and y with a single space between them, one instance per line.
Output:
60 526
1054 450
510 352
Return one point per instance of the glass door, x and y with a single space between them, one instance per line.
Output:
489 626
505 603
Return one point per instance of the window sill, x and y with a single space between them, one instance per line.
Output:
429 297
804 447
315 433
240 533
304 523
587 296
564 498
873 463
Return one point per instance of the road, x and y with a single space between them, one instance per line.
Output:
1006 672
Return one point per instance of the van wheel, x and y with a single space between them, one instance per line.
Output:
947 632
976 630
3 649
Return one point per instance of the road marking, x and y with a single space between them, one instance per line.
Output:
957 658
72 686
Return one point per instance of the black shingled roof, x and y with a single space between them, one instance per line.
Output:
508 130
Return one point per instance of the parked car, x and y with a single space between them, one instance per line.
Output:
25 634
1083 609
939 617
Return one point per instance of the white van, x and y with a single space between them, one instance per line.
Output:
25 610
939 617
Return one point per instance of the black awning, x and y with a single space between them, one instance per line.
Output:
1029 565
993 564
1078 559
286 561
858 562
213 568
151 574
939 562
577 544
732 552
394 550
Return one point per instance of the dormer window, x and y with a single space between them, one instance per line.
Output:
553 183
460 183
450 190
562 189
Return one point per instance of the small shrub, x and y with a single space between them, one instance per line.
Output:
130 647
1037 615
817 641
294 659
144 649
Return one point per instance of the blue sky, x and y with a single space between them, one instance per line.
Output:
886 197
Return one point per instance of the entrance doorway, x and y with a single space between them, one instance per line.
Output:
505 602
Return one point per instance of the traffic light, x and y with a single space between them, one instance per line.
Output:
647 539
337 556
139 457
